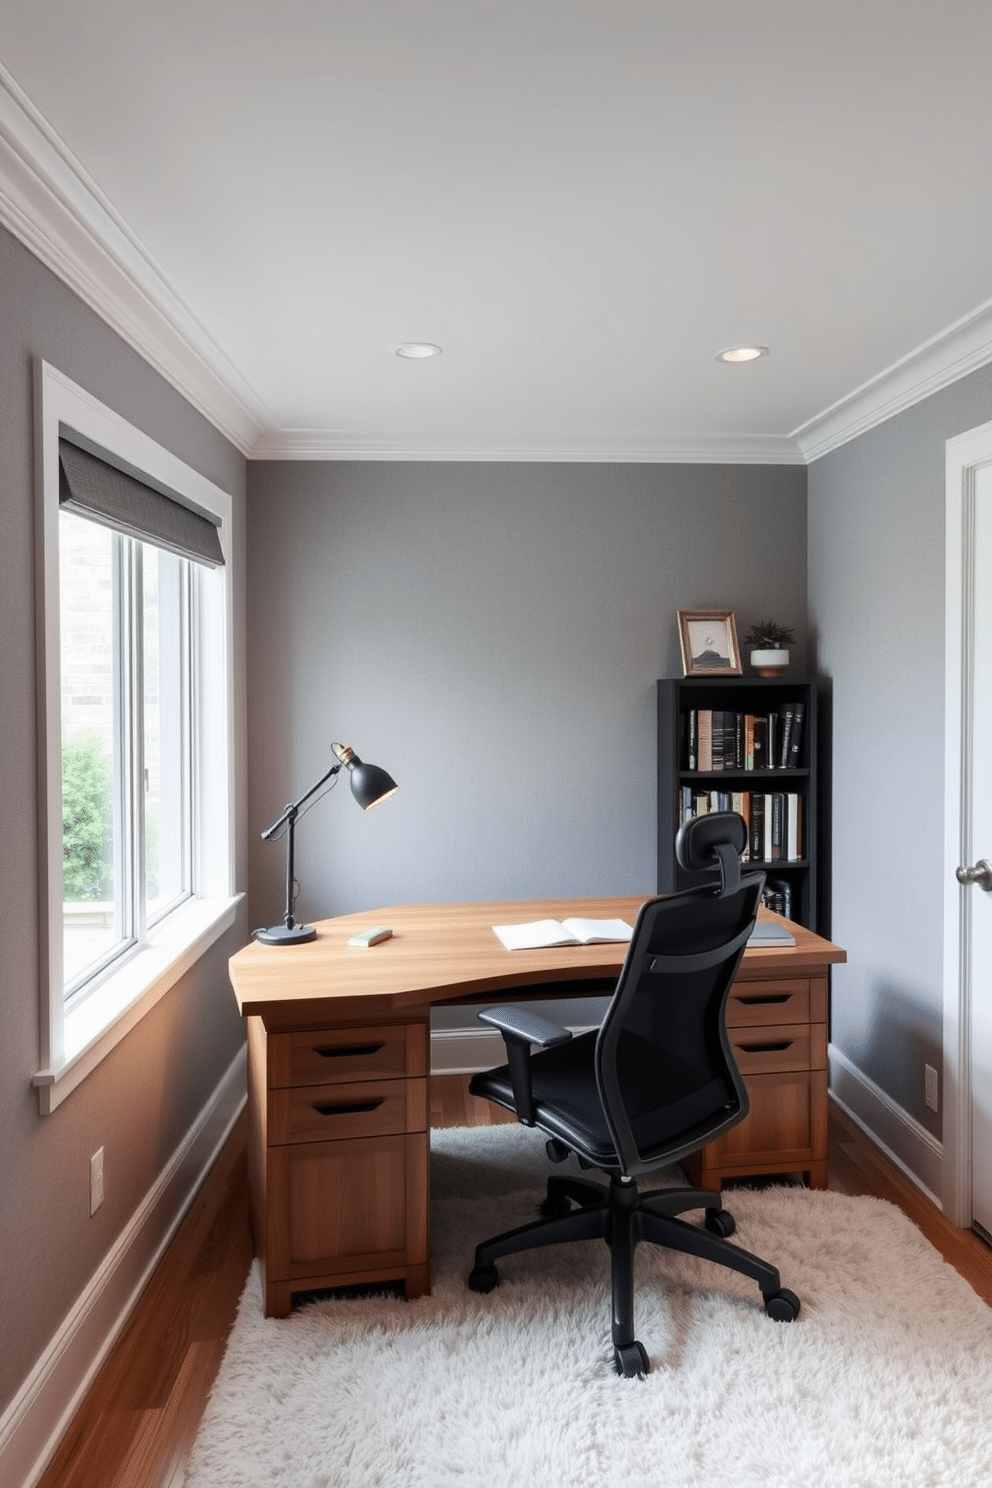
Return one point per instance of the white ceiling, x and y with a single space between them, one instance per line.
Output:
580 201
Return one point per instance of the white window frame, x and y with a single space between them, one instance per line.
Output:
74 1039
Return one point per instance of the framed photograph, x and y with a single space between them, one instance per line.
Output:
709 643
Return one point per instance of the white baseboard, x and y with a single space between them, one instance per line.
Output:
36 1419
900 1136
465 1051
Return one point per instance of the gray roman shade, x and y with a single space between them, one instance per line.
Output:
93 488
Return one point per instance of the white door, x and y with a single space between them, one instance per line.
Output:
975 865
968 835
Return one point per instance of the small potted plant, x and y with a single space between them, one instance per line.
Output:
769 644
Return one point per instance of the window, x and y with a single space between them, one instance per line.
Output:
136 725
125 625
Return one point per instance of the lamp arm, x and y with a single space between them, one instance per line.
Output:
289 815
288 819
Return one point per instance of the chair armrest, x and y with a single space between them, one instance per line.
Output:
520 1029
529 1028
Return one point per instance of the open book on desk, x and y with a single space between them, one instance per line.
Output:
575 931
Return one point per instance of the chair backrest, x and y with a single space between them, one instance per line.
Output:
666 1073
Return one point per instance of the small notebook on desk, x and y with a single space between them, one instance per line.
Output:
770 933
535 934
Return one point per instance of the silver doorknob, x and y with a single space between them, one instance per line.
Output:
981 875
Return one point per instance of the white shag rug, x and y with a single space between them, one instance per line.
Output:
884 1379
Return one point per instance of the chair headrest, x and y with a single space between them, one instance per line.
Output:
713 841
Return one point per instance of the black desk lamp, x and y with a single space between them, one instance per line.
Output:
369 786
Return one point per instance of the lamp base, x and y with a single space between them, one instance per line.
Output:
286 935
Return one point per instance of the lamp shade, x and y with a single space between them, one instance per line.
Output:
370 784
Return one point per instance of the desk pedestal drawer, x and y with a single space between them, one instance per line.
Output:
344 1212
751 1004
785 1131
323 1057
765 1051
329 1113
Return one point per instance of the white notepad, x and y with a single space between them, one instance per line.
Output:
574 931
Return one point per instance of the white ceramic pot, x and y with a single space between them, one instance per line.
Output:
769 661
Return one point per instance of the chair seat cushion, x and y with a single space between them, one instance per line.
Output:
668 1098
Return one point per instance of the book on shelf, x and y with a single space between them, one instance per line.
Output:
791 718
691 724
793 826
783 841
716 729
761 743
536 934
740 801
705 738
685 803
796 737
722 739
748 742
757 839
777 895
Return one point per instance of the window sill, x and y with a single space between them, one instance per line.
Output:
104 1018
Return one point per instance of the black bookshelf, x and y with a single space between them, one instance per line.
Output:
787 848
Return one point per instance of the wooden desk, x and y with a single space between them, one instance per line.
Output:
339 1056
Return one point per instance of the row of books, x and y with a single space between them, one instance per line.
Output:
720 739
777 895
774 819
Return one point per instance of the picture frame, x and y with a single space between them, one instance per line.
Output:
709 643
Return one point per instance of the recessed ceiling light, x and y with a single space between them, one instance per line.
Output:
742 353
417 349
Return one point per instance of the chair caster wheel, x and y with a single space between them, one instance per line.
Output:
720 1222
783 1306
552 1208
631 1360
483 1278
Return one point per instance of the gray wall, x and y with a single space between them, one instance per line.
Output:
491 634
876 598
141 1101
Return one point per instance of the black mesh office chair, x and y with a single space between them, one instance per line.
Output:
655 1083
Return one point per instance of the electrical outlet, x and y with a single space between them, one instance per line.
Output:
96 1181
930 1088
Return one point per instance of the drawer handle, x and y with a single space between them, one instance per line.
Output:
339 1051
348 1108
760 1001
766 1048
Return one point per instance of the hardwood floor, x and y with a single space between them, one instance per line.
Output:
137 1425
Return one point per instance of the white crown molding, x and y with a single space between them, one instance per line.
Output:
49 204
717 449
945 358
